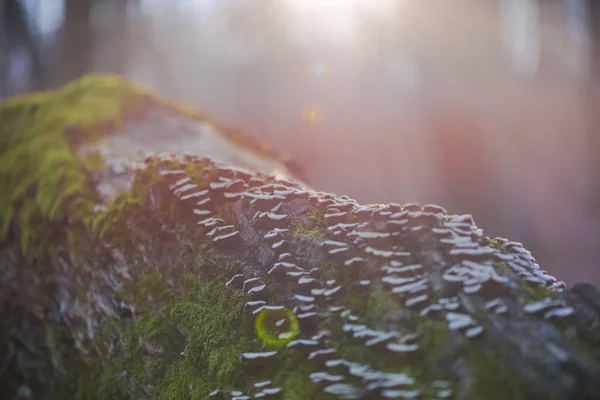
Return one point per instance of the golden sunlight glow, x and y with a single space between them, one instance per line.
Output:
335 20
312 114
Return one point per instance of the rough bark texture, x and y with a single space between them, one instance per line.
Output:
131 275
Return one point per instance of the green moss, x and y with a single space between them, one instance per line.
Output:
434 333
181 346
493 380
293 377
382 310
588 348
350 349
535 292
217 330
226 211
94 162
126 218
380 305
531 293
47 182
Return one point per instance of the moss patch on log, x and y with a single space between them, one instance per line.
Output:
46 182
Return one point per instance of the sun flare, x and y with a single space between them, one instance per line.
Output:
333 20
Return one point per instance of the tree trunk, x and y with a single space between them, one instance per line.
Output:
130 273
4 84
77 42
593 91
17 39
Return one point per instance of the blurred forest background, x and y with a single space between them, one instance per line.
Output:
490 107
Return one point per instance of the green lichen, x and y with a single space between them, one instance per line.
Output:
313 226
502 267
493 242
317 219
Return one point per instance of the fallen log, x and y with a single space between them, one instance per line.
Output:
148 252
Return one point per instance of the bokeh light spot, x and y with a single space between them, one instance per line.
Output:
276 327
319 69
312 114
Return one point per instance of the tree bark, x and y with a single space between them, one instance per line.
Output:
16 37
210 272
77 42
593 92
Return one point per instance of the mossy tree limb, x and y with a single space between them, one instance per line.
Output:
127 275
